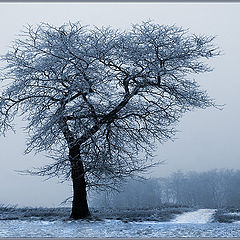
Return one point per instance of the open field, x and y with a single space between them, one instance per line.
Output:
160 222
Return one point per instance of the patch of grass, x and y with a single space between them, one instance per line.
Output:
7 207
13 213
226 215
161 214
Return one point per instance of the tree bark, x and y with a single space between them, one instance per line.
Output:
79 205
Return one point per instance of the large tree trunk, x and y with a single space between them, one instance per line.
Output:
79 204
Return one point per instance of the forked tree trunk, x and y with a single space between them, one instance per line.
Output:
79 204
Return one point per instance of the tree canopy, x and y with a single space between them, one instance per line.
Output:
113 93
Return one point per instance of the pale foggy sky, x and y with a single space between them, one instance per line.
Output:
207 139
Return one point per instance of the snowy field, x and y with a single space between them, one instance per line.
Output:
198 223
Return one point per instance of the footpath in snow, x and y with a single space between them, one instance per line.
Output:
199 216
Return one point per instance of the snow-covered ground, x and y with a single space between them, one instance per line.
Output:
192 224
115 228
234 214
199 216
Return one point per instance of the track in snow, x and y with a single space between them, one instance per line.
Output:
199 216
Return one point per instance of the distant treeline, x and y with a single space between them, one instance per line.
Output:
212 189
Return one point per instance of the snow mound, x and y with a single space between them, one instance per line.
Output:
199 216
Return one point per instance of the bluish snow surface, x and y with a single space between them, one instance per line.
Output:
199 216
192 224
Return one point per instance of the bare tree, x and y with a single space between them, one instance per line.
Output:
97 99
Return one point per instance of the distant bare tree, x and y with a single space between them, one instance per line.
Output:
135 194
97 99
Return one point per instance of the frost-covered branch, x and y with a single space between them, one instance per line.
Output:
109 93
